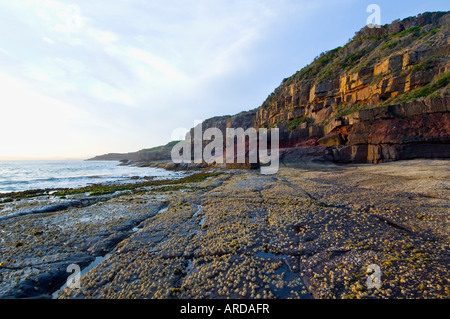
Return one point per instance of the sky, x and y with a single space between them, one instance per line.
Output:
83 78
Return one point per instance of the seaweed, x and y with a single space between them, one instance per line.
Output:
101 189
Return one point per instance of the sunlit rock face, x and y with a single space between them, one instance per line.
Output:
381 97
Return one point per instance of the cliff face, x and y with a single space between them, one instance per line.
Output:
244 120
417 129
383 96
375 67
160 153
399 73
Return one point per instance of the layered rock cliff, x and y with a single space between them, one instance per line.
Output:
377 66
381 97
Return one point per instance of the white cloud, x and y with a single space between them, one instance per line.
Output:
38 74
60 16
130 67
131 55
48 40
34 125
108 93
102 37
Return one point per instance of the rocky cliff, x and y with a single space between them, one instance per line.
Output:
159 153
381 97
377 67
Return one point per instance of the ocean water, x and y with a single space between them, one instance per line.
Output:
25 175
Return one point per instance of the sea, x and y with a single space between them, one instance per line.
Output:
26 175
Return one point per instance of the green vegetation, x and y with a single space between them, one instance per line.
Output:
10 197
406 32
325 59
429 88
271 98
360 55
315 67
305 72
389 45
368 37
426 91
277 124
434 31
345 110
158 148
424 65
294 123
326 75
442 81
352 59
98 189
377 78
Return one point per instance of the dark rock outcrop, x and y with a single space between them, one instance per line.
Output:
419 129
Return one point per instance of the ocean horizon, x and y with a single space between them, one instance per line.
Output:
20 175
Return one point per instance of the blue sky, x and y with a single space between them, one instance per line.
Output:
81 78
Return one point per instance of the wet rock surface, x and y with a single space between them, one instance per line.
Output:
37 248
305 232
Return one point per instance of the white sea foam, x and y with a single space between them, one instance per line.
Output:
26 175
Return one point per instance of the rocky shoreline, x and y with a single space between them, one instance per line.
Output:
305 232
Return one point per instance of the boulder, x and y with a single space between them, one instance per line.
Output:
331 140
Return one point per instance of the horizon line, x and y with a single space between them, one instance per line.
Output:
21 158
